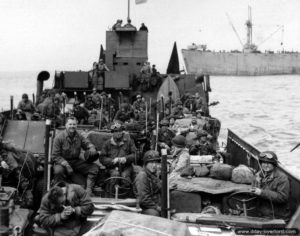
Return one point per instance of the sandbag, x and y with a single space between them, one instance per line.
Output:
221 171
201 171
242 175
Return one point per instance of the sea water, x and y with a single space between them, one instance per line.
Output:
264 110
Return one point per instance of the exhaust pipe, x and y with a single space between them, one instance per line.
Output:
42 76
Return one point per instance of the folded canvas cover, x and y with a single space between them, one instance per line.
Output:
131 224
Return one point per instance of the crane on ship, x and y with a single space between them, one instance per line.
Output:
249 46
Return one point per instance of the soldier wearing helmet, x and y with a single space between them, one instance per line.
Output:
138 105
80 112
89 104
25 108
147 186
165 135
181 156
53 110
273 188
124 114
118 153
177 112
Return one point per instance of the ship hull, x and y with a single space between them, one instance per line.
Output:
241 64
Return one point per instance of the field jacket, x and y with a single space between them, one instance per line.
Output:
50 214
147 188
67 148
275 195
111 149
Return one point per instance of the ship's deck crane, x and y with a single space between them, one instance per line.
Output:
280 27
236 33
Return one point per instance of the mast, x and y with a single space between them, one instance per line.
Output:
249 27
249 46
128 16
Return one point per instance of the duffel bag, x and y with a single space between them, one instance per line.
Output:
221 171
242 175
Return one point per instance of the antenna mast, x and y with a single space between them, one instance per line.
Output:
128 17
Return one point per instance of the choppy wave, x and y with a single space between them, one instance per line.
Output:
264 110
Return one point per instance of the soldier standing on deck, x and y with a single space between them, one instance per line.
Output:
66 150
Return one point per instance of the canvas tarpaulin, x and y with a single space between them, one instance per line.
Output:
130 224
207 185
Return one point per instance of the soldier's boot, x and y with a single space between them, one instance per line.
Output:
90 183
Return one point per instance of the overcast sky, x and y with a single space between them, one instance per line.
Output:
66 34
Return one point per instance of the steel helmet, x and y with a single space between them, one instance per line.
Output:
164 122
151 155
179 141
25 95
201 133
268 156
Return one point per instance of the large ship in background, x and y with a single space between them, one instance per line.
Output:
249 62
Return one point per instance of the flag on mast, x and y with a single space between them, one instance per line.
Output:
140 1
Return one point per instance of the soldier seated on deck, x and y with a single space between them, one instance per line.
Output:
64 210
177 112
165 135
124 114
81 113
273 188
138 104
118 153
89 104
52 111
147 186
66 150
25 108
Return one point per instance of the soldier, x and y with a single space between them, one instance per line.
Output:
64 210
139 105
118 153
147 185
80 113
273 188
165 135
124 114
95 95
12 159
198 103
181 156
89 104
177 112
118 24
25 108
66 150
202 146
93 118
52 111
143 27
